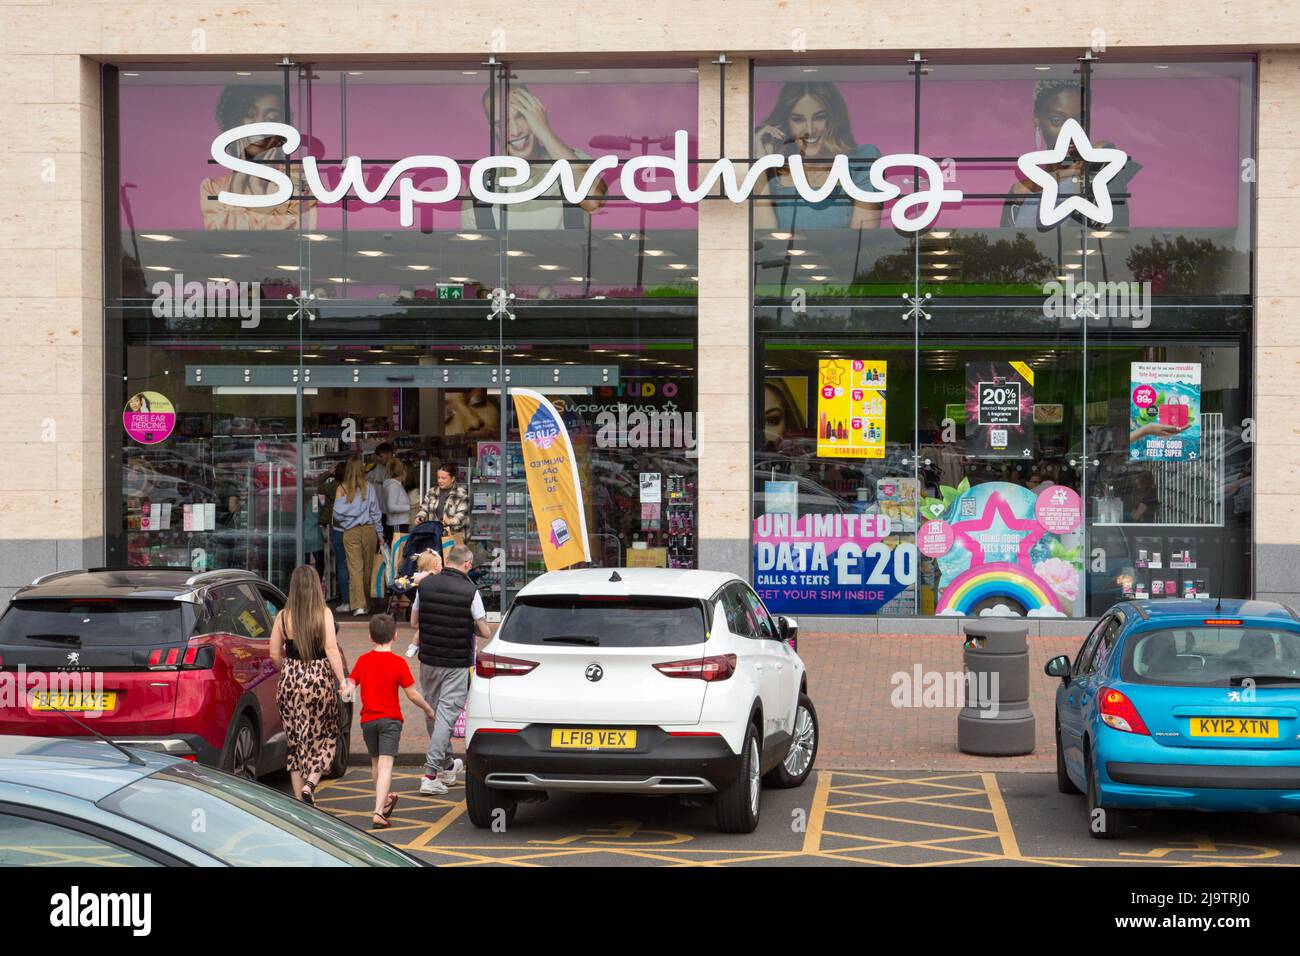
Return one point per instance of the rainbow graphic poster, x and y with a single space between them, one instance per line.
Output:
1002 558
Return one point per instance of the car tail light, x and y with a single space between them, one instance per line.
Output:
192 657
494 665
1223 622
701 668
1118 712
497 730
198 657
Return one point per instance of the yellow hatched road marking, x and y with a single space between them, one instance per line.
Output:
1010 848
423 840
856 792
875 801
919 823
812 838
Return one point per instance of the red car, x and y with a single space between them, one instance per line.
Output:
162 659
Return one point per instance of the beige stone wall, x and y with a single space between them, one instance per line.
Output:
1277 277
725 291
416 27
51 362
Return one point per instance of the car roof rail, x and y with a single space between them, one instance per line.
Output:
1290 610
206 577
1142 612
44 578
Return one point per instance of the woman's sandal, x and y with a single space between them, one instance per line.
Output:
309 793
389 804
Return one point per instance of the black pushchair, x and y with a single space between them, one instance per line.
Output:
425 536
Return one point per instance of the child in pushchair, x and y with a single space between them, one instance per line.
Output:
424 539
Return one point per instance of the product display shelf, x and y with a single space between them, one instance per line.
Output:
522 558
1168 567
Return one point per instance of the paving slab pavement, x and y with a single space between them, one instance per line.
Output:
855 681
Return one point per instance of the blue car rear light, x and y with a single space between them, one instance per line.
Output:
1118 712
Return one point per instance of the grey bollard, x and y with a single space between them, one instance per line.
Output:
996 720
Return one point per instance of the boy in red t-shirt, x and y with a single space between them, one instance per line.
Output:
379 673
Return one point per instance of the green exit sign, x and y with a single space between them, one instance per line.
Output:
447 291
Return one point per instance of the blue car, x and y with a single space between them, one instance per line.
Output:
1181 705
86 802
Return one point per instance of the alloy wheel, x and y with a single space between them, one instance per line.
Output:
801 747
755 783
241 764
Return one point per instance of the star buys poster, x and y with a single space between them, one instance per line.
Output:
850 408
999 410
553 483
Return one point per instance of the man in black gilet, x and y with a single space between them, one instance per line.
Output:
448 612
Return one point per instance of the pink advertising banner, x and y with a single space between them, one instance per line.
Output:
1181 135
167 177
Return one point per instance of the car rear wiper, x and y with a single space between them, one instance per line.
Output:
573 639
1237 679
61 638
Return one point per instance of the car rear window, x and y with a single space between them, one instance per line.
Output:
105 622
1213 656
245 823
605 622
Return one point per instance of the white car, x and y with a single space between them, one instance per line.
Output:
638 680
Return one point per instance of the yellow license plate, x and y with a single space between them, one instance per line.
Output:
1260 727
73 701
582 739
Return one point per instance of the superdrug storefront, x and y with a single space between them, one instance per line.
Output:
994 354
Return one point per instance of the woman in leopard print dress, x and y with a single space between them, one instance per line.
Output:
311 679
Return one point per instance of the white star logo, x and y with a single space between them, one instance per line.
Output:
1050 212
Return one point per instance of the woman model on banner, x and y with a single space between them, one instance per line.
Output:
1056 101
781 415
472 413
238 106
811 120
529 136
357 514
448 502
